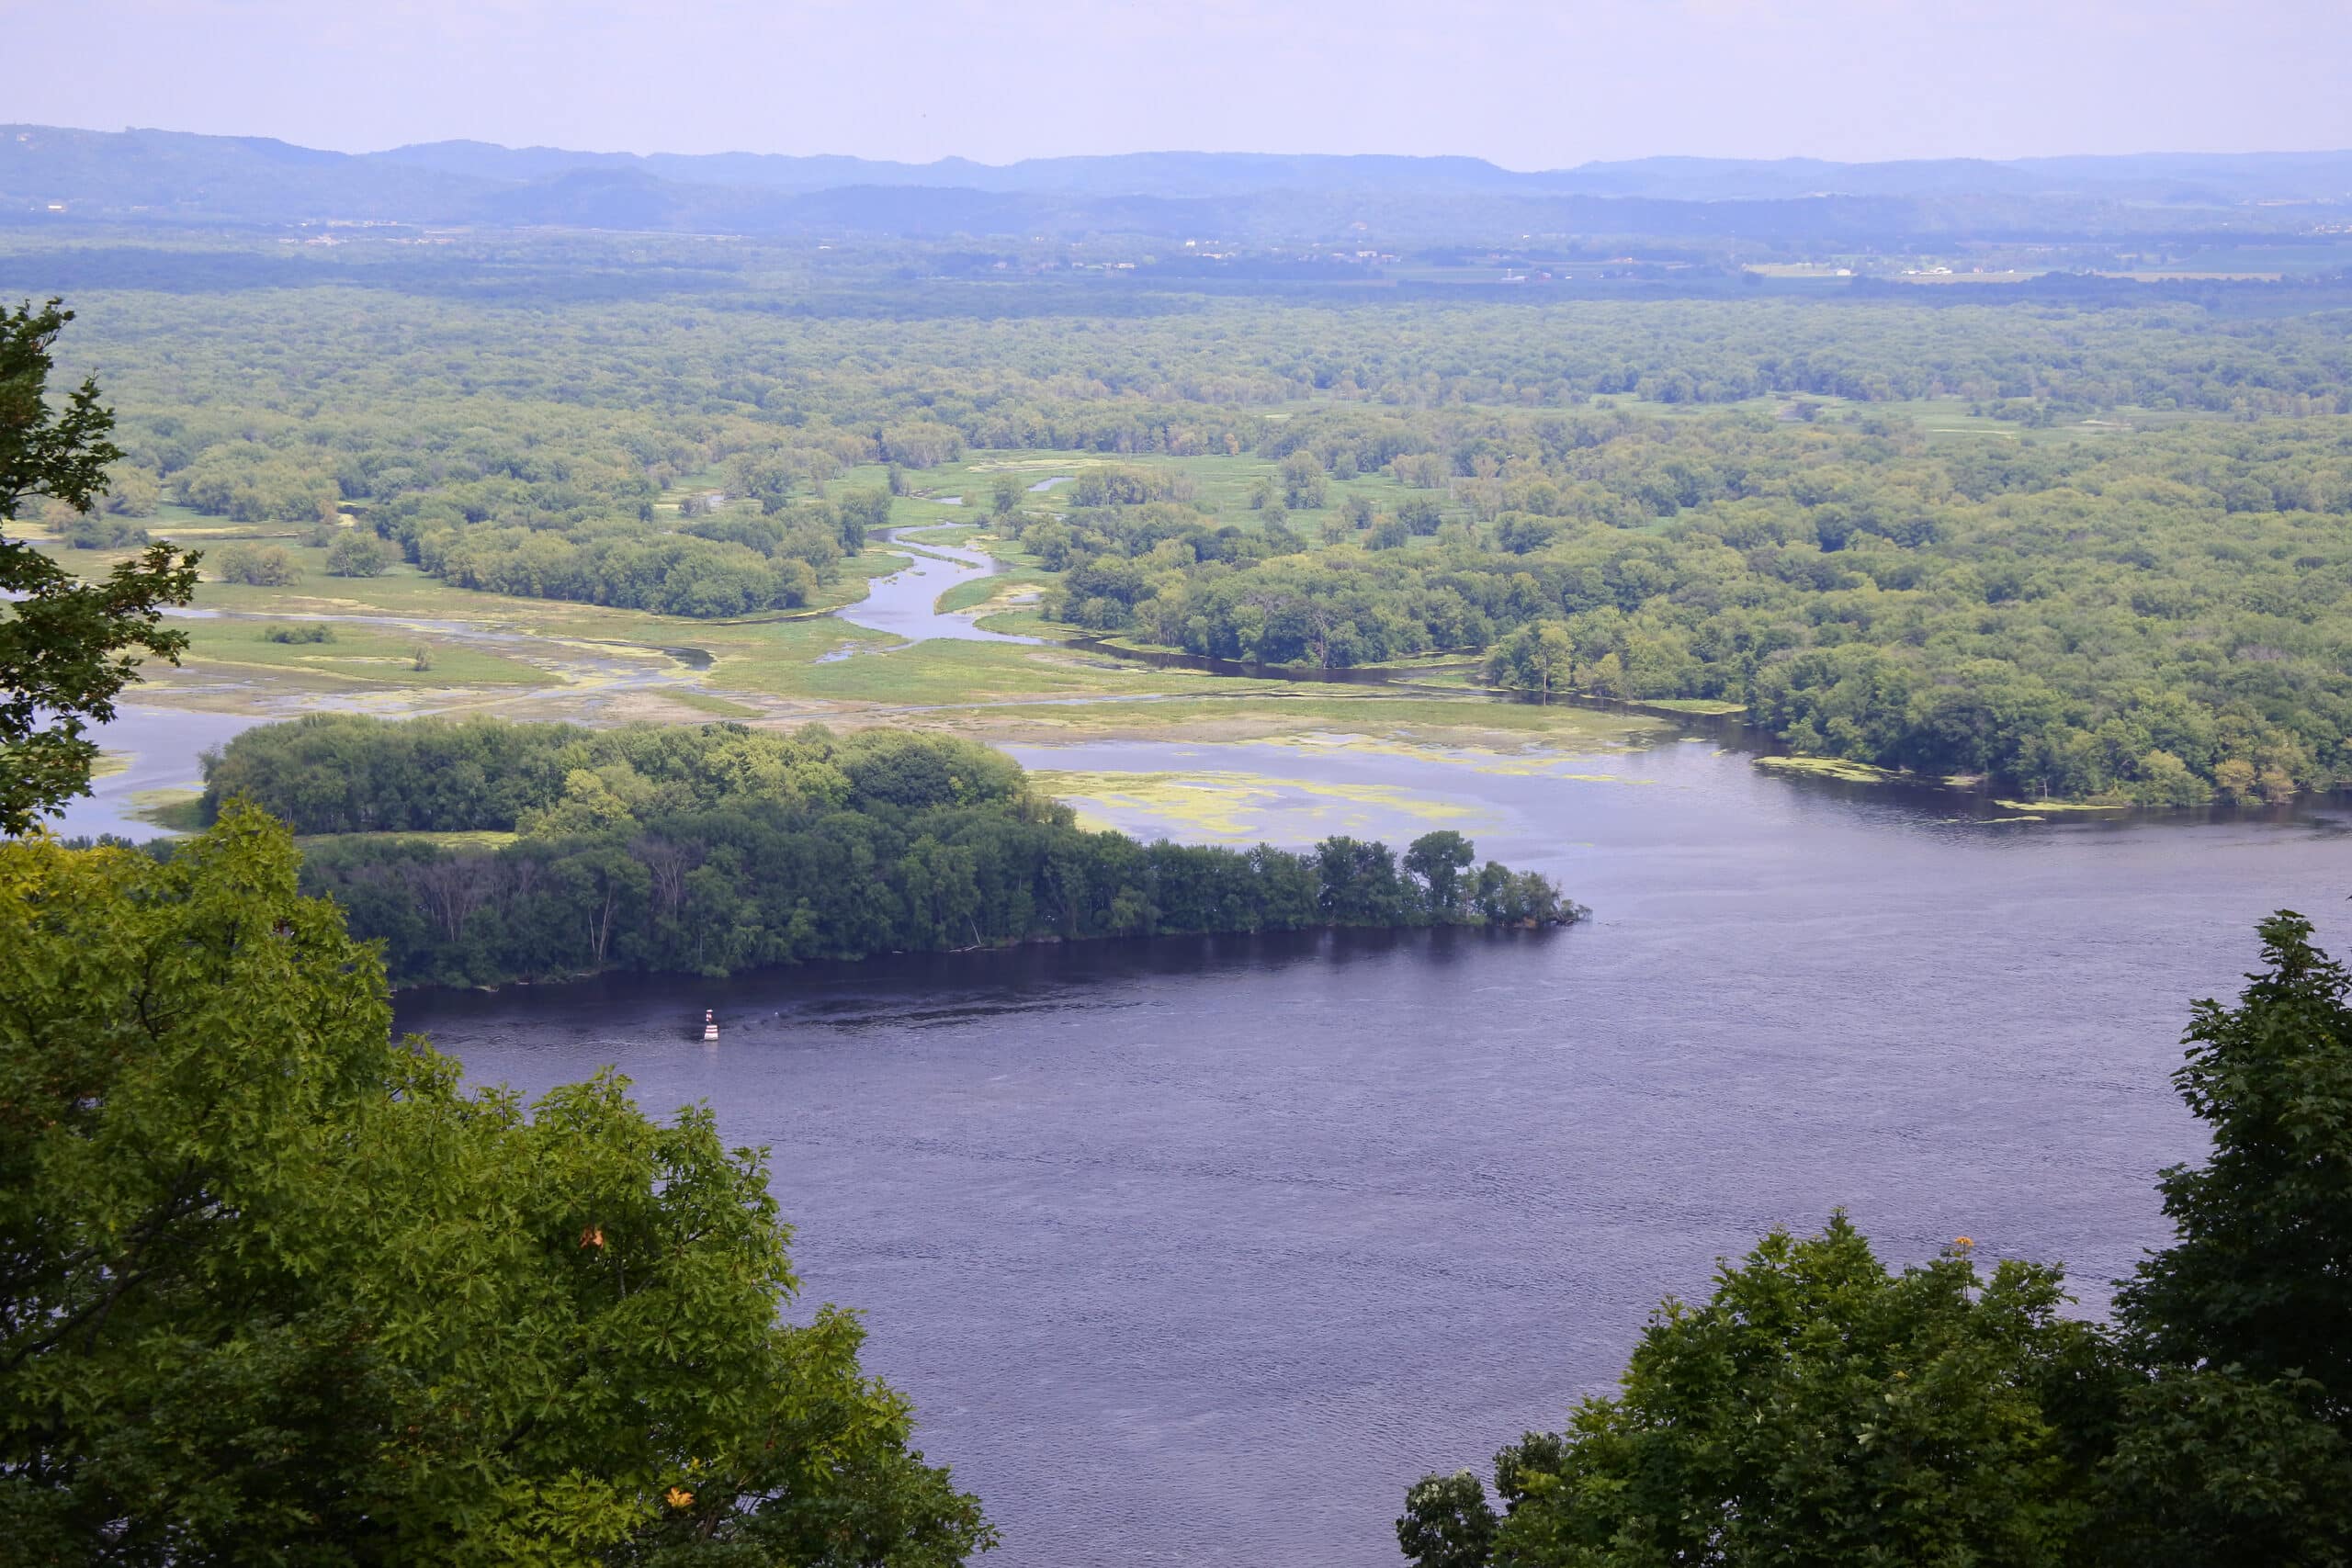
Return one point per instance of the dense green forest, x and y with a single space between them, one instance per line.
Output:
2161 619
712 850
281 1285
1855 517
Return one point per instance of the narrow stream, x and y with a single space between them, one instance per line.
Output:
905 603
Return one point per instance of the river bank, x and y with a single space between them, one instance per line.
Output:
891 656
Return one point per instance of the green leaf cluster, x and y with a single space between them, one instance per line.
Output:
63 640
275 1286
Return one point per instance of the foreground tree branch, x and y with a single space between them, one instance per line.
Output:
65 643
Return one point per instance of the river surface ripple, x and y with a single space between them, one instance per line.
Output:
1199 1251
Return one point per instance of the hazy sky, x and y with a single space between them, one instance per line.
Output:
1528 85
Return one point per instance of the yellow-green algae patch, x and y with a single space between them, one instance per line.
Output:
2062 806
1241 806
480 840
1831 768
1523 763
1317 718
1708 707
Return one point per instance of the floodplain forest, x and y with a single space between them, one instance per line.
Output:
2080 551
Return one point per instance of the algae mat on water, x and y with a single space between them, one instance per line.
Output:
1524 762
1219 708
1228 807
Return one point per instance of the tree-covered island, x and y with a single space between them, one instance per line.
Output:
480 850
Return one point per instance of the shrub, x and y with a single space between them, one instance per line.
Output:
259 566
357 554
92 532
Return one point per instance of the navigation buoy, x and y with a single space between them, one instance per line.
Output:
710 1024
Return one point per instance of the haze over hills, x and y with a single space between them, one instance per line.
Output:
49 174
2174 178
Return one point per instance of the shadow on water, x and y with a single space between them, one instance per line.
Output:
913 989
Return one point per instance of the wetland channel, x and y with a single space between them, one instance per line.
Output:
905 603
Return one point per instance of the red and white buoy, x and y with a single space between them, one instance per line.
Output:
710 1024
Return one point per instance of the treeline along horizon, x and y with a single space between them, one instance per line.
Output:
712 850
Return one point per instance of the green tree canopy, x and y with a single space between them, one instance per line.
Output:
1817 1410
275 1286
1539 656
2238 1444
2257 1278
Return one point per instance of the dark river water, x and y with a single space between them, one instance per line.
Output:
1198 1252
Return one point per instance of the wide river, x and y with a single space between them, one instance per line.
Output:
1198 1252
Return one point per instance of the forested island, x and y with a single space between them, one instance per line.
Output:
477 851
